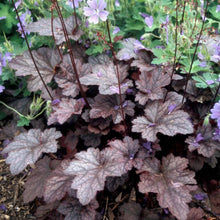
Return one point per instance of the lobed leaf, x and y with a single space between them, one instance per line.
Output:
158 118
170 180
28 147
91 168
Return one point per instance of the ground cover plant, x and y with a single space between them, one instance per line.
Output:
117 105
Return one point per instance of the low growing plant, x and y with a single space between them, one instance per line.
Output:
129 106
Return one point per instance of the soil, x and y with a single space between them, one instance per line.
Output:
11 189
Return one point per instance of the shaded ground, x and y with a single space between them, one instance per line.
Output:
11 189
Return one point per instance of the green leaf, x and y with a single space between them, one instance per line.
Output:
95 49
201 81
23 122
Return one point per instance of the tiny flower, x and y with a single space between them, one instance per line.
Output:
117 4
3 207
116 30
218 8
147 146
1 88
171 108
200 56
138 46
96 11
3 17
99 74
210 82
76 3
55 101
216 113
216 135
202 9
203 64
17 3
165 26
125 56
200 196
149 21
197 140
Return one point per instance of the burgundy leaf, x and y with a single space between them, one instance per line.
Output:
100 125
150 85
91 168
35 184
65 109
105 76
125 151
106 105
205 145
73 210
158 119
28 147
127 52
112 183
57 184
43 27
133 211
66 77
44 210
171 183
46 59
195 214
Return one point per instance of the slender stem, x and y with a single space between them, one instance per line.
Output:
52 30
118 76
74 8
70 51
200 34
194 26
14 110
182 19
174 59
29 49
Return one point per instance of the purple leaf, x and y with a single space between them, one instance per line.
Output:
65 109
170 180
125 151
151 81
106 105
204 142
73 210
108 84
35 184
156 114
57 184
91 168
43 27
28 147
46 59
66 77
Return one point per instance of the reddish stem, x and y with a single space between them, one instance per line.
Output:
29 49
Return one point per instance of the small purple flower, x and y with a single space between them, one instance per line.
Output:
117 4
217 8
129 91
3 207
199 138
200 56
3 17
202 9
96 11
99 74
116 30
149 21
138 46
126 56
210 82
216 135
147 146
166 211
24 18
165 26
200 196
17 4
55 101
216 113
76 3
3 59
116 107
171 108
1 88
203 64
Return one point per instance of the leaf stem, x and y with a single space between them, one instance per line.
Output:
52 30
25 37
174 59
14 110
74 8
70 51
194 54
118 76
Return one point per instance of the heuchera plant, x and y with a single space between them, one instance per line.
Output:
108 116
